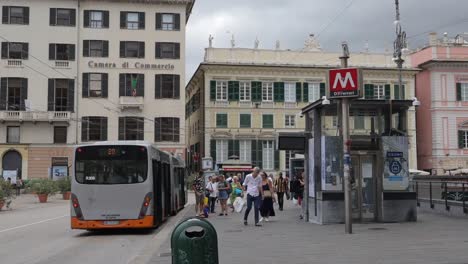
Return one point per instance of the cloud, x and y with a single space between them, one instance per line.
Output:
291 21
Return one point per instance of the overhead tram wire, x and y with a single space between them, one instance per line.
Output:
336 17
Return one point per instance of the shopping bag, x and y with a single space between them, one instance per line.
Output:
294 201
238 204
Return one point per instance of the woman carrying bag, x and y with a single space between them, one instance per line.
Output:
266 209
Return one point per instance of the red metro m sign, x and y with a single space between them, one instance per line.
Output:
344 82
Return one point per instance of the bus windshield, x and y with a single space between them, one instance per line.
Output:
111 164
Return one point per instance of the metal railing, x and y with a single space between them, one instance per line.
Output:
449 190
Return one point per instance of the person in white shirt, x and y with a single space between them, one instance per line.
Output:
253 186
212 187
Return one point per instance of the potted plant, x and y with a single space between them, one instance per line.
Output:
42 188
64 185
2 198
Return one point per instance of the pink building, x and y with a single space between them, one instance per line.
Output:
442 118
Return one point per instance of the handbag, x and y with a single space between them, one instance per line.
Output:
267 194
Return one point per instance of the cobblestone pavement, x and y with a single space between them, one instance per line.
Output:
286 239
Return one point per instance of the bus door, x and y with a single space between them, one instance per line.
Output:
157 189
167 189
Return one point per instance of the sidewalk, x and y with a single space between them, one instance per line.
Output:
288 240
30 201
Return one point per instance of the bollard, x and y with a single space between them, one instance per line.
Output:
194 247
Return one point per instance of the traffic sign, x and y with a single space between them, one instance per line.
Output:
344 82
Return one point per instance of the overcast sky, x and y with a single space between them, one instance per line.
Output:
291 21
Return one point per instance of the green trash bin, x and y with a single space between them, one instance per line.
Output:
194 241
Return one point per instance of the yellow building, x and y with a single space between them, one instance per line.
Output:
239 99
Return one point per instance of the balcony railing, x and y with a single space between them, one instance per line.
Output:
14 63
62 64
132 102
28 116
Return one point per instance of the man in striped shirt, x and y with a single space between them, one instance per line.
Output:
281 186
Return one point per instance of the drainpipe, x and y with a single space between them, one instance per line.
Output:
78 24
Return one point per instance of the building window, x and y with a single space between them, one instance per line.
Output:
131 84
221 90
359 122
61 95
132 20
167 21
379 91
245 151
221 120
62 52
290 121
96 48
167 86
245 91
13 93
290 92
167 50
221 151
93 128
96 19
131 128
60 134
267 120
166 129
95 85
268 155
267 91
463 139
290 154
15 50
132 49
62 17
462 92
18 15
245 120
314 92
13 134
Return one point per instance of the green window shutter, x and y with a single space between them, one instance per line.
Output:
459 92
461 135
221 120
233 91
396 92
277 163
387 91
213 150
260 154
402 96
268 121
256 91
322 90
245 120
213 90
369 91
278 91
298 92
305 92
254 152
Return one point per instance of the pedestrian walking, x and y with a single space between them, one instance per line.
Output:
253 186
19 185
197 187
212 188
266 209
281 187
300 193
223 187
236 188
288 191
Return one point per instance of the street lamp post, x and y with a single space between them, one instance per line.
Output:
398 46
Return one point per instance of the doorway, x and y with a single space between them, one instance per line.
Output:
363 193
12 161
